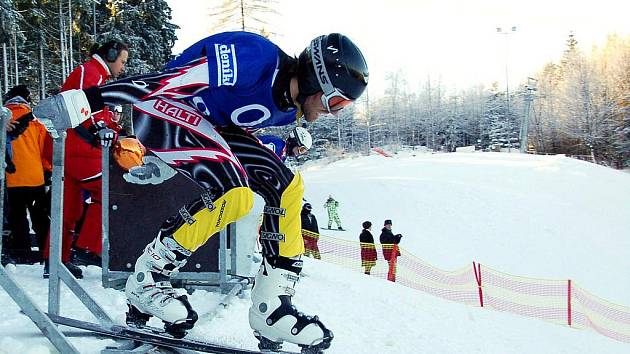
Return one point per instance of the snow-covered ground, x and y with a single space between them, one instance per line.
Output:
537 216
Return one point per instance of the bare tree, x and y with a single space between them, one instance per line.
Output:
245 15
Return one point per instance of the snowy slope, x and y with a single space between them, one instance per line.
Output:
548 217
538 216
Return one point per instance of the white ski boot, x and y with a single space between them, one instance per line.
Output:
150 293
273 317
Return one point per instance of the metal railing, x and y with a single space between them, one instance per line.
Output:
60 274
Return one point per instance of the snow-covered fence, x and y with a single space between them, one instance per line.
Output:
558 301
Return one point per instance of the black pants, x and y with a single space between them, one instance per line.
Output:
35 201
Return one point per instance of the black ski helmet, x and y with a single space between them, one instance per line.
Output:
343 64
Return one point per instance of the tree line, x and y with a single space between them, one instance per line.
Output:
578 106
41 41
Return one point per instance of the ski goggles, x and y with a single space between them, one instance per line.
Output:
117 113
302 149
333 100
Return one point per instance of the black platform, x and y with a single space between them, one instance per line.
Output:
136 214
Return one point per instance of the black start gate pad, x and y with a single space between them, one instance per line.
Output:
136 213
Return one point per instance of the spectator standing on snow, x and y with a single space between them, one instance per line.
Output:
388 241
26 190
368 250
331 206
310 232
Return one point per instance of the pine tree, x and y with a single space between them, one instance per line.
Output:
144 26
10 37
9 18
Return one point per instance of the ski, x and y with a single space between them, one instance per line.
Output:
155 336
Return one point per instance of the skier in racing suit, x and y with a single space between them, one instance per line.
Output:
195 116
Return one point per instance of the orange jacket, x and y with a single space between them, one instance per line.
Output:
28 150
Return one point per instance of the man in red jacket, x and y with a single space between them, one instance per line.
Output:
83 158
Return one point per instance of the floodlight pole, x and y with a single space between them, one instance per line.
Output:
507 84
529 97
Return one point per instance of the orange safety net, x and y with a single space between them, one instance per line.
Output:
557 301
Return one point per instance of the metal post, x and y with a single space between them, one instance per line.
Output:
338 130
42 70
233 248
62 42
58 272
368 118
223 259
105 214
19 296
15 59
6 67
5 116
70 34
94 2
56 206
507 84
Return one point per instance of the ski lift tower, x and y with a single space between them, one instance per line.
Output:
530 91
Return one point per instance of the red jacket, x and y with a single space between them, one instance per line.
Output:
94 72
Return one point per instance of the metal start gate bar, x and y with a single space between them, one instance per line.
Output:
215 274
19 296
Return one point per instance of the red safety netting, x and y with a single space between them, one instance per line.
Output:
557 301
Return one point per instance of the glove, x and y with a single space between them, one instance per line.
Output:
106 135
63 111
153 171
20 126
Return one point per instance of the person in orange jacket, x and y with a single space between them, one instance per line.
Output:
83 158
26 190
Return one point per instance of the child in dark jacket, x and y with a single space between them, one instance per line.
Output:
368 250
310 232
